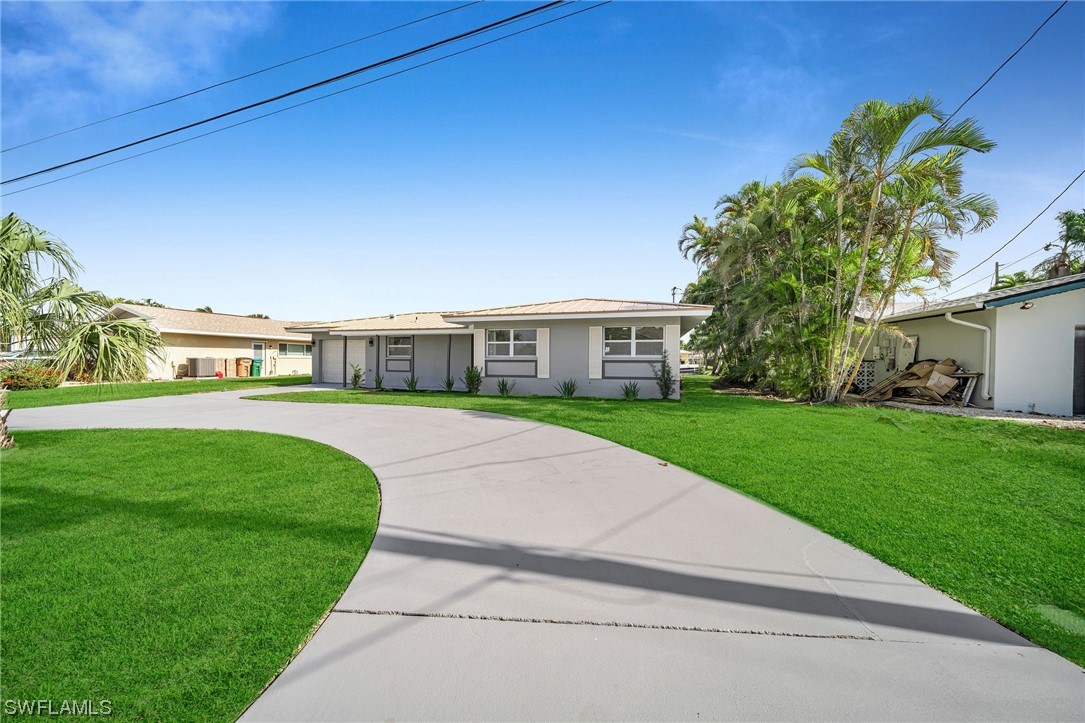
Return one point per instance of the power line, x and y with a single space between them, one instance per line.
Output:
311 100
1027 225
241 77
296 91
1005 62
1005 266
965 102
990 77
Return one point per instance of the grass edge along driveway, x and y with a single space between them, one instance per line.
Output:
991 513
89 393
171 572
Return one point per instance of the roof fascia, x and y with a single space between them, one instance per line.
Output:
258 337
399 332
694 313
1038 294
932 313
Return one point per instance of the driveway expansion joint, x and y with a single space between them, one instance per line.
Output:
601 624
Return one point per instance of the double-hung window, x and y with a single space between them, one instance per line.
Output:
295 349
512 342
633 341
399 347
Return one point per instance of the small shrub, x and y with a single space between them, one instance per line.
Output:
505 387
20 375
567 389
472 379
411 383
357 374
630 390
664 375
378 381
448 384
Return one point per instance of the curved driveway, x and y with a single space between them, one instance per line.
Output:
523 571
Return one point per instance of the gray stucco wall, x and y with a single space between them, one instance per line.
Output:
569 359
430 360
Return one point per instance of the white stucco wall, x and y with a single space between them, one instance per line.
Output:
939 339
1034 353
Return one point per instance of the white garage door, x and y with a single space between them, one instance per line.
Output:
331 361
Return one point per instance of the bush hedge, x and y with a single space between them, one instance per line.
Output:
29 375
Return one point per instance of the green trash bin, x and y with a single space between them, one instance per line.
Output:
255 369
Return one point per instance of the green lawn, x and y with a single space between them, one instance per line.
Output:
992 513
170 572
139 390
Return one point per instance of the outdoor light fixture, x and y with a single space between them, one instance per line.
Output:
370 341
1027 305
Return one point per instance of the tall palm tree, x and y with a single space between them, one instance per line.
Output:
46 313
699 241
877 155
1070 257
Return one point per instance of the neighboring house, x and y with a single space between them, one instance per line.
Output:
601 343
187 334
1029 342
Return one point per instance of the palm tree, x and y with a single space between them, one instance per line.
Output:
875 161
1070 257
52 316
699 241
205 309
1008 281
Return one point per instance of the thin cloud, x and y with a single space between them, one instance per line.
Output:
70 61
779 93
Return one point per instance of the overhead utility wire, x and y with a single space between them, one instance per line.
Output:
1005 62
296 91
945 121
1004 266
976 92
241 77
1025 228
311 100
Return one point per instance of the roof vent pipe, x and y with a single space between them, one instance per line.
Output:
985 390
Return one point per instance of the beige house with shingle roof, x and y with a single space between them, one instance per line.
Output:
196 334
600 343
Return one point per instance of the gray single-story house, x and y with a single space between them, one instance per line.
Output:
1027 341
601 343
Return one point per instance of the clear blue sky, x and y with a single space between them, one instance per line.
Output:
560 163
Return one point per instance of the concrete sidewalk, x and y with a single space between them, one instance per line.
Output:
523 571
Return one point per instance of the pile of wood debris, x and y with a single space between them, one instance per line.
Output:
924 382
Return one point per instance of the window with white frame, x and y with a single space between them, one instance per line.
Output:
512 342
633 341
295 349
399 347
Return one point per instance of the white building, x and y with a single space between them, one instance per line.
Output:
1028 341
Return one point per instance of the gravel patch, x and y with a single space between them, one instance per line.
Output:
1042 420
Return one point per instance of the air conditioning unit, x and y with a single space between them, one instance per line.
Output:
203 367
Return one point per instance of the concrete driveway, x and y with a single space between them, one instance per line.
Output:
522 571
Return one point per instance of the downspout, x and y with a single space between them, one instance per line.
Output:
985 392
